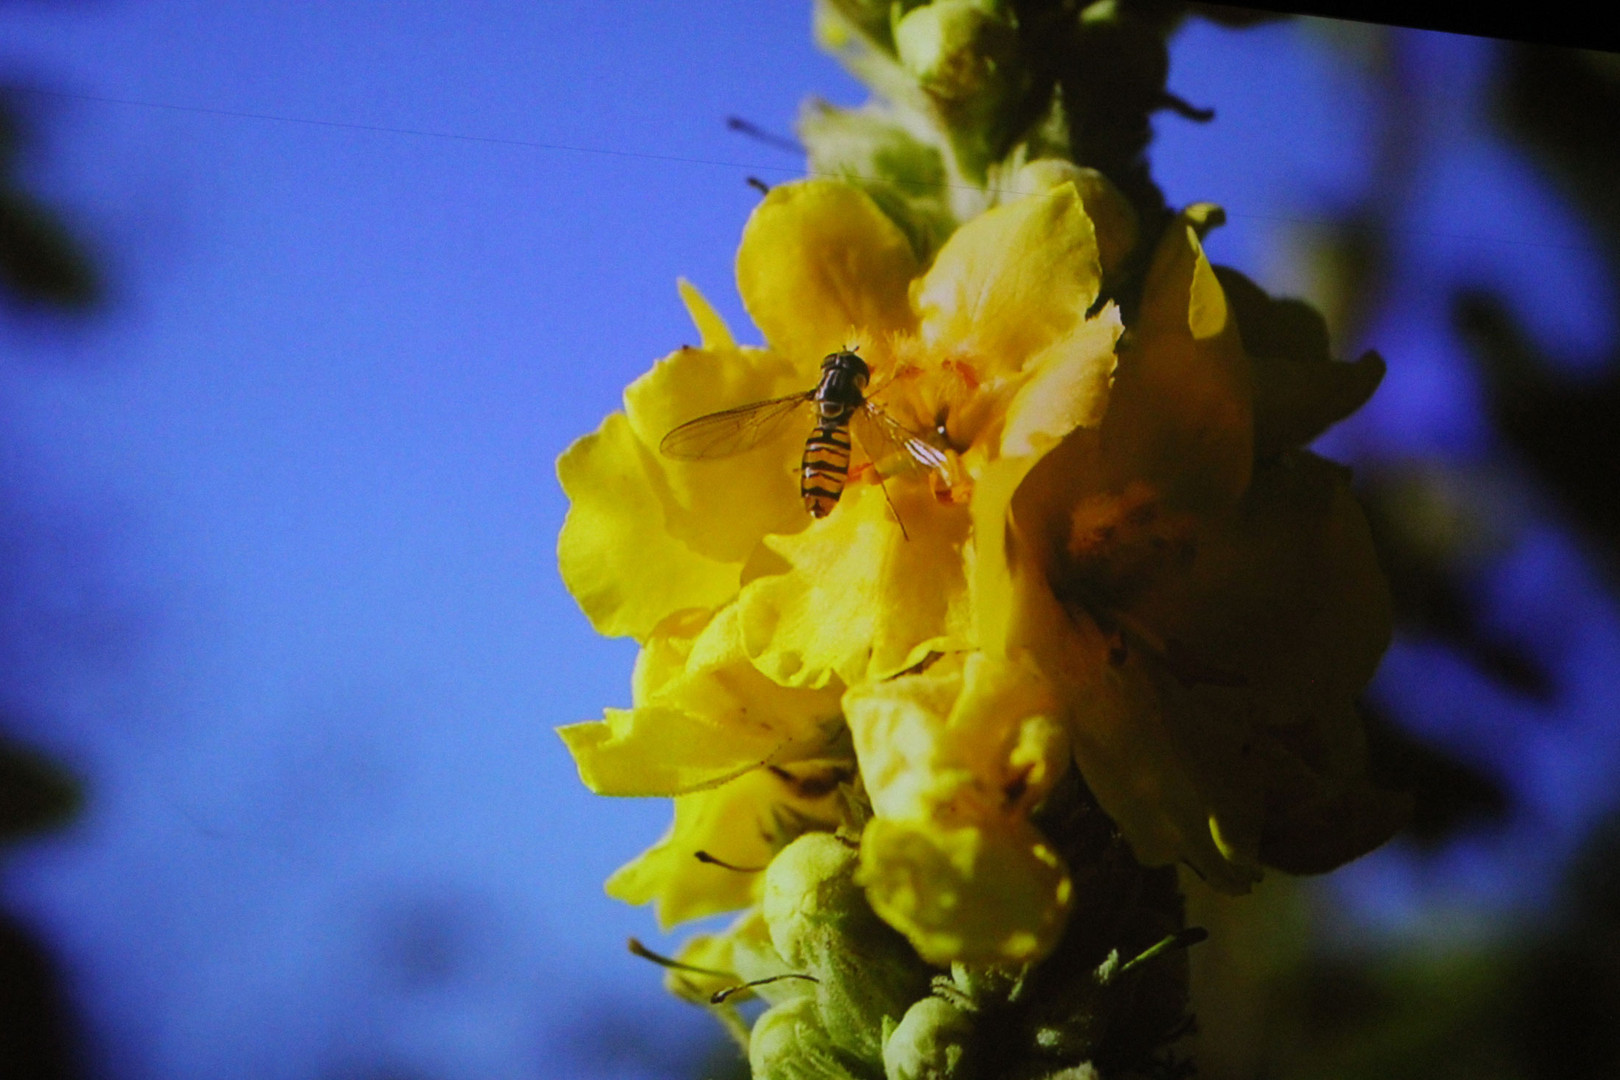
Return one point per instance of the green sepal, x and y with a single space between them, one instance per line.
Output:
822 926
873 149
934 1041
789 1042
958 50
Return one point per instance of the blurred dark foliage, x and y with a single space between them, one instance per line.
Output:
1541 1007
1569 989
1435 523
1448 795
1539 998
1566 107
1563 429
41 264
1431 583
36 1029
35 793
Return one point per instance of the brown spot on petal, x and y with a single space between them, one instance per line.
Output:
964 371
1013 791
816 782
1120 543
928 661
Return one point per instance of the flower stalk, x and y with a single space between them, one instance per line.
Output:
1074 607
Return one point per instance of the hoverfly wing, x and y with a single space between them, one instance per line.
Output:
732 431
893 447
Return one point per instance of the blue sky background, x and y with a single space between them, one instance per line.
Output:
282 514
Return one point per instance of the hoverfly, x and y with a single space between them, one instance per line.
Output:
840 404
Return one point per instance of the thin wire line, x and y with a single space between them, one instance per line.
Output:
642 155
495 140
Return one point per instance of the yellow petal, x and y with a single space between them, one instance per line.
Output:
899 731
997 551
624 569
1286 593
711 675
1020 506
712 329
1137 766
1013 280
736 955
1295 402
1299 389
858 599
647 535
821 268
1224 731
1068 387
1181 416
657 750
742 824
1320 818
699 499
1133 751
972 737
954 758
704 715
1268 636
976 894
1006 725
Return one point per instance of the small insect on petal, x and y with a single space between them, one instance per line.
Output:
840 402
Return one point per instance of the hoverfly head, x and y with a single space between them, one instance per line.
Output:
846 361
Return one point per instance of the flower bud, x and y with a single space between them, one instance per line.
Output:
822 926
810 891
1083 1071
836 24
932 1042
905 176
956 49
789 1043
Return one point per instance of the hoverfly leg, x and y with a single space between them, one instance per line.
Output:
895 510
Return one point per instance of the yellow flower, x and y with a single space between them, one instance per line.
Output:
647 537
990 350
1208 612
955 758
751 765
753 617
1103 572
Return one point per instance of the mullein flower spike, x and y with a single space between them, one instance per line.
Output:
934 741
1102 574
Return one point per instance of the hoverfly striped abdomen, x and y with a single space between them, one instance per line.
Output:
826 452
826 467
